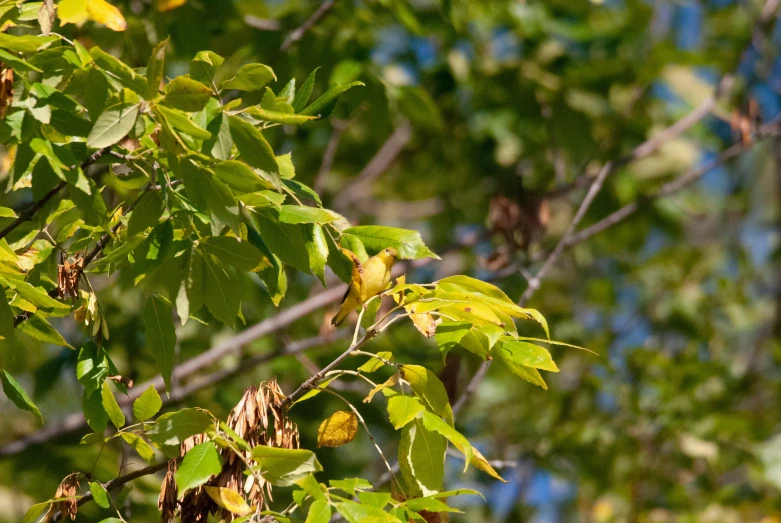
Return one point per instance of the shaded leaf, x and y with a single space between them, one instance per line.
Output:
14 392
160 336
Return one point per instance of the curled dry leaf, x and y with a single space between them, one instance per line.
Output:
338 429
166 501
67 507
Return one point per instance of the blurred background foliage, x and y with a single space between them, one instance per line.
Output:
479 123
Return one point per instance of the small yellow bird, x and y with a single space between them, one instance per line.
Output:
368 279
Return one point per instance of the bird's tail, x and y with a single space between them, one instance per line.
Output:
337 320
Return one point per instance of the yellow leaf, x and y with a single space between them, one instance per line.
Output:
338 429
424 322
481 463
72 11
168 5
393 380
104 13
229 499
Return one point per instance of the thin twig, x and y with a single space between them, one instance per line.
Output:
298 33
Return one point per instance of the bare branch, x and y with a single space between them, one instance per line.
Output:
298 33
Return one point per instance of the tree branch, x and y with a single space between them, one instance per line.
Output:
118 482
298 33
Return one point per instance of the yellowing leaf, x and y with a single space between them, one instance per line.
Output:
104 13
425 322
168 5
481 463
338 429
72 11
229 499
393 380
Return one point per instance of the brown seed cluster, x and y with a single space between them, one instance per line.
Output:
68 274
259 419
68 506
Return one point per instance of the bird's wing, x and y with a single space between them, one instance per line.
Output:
356 278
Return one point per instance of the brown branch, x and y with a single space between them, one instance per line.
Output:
28 213
298 33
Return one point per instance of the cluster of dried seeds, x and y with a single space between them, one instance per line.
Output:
67 505
259 419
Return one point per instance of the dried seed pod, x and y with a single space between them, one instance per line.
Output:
166 501
68 506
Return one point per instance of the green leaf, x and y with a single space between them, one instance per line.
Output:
221 291
278 117
99 494
303 94
40 329
283 467
376 238
514 353
144 450
254 149
94 413
155 68
186 94
146 213
317 250
250 77
112 125
428 387
119 72
449 333
14 392
434 423
6 325
422 458
350 485
304 214
285 240
181 121
17 64
429 504
374 499
319 512
25 43
111 406
240 177
204 67
151 252
475 342
403 409
190 297
375 364
323 106
35 512
171 429
221 142
228 249
223 206
199 464
160 336
360 513
147 404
